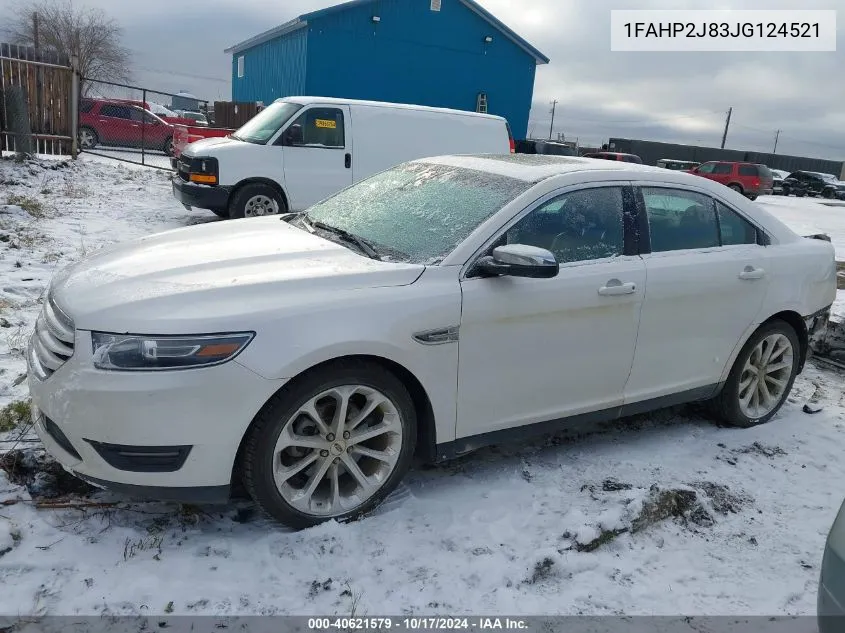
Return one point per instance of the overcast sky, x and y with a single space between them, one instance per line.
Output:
680 97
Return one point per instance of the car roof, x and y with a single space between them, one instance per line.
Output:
536 167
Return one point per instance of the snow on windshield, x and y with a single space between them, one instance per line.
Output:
422 210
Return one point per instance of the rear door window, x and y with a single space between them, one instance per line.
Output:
723 168
733 228
116 111
748 170
680 219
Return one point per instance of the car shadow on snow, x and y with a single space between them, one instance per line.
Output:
570 451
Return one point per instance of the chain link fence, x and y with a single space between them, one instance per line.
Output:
134 124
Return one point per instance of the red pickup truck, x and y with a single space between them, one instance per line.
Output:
183 135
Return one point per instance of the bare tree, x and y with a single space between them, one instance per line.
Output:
89 34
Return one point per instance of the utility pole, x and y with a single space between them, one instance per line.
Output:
35 38
775 150
727 124
552 125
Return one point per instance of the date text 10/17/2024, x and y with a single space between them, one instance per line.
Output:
723 31
417 624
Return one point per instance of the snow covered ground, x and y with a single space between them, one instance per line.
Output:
663 514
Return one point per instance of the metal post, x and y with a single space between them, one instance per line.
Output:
74 106
143 125
552 125
775 150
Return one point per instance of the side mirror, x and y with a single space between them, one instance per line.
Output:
293 135
519 260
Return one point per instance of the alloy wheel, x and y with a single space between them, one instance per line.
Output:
86 139
765 376
337 450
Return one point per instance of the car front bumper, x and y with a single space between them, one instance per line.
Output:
200 196
168 435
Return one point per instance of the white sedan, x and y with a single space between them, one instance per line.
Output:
436 307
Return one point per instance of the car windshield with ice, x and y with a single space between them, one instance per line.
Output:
417 212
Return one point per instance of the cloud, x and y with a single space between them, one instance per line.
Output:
680 97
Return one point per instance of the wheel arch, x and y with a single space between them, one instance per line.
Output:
793 319
426 429
258 180
737 184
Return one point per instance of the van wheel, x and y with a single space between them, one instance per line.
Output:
736 187
255 200
331 445
761 378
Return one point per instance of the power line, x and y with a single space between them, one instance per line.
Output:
178 74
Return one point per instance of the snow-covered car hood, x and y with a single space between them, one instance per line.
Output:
214 276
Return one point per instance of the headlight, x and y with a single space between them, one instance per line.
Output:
136 352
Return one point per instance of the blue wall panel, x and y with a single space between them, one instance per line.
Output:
412 55
273 69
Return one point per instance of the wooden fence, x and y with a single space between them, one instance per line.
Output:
35 96
233 115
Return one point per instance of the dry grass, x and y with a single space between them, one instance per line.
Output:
33 206
15 415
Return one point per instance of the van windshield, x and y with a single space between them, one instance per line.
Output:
417 212
264 125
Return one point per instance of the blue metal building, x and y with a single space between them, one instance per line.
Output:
444 53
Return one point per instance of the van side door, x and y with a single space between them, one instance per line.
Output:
317 149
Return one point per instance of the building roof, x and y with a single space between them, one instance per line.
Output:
302 21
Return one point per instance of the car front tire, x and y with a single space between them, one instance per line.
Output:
736 187
761 378
331 445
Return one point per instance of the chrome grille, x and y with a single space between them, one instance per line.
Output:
52 342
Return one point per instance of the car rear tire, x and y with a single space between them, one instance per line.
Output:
827 193
784 191
168 147
736 187
752 197
88 138
305 462
255 200
774 353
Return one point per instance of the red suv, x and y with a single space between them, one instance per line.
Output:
117 123
749 179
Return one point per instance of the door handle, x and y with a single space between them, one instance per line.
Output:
615 288
348 160
752 273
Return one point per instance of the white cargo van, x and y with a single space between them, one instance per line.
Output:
300 150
